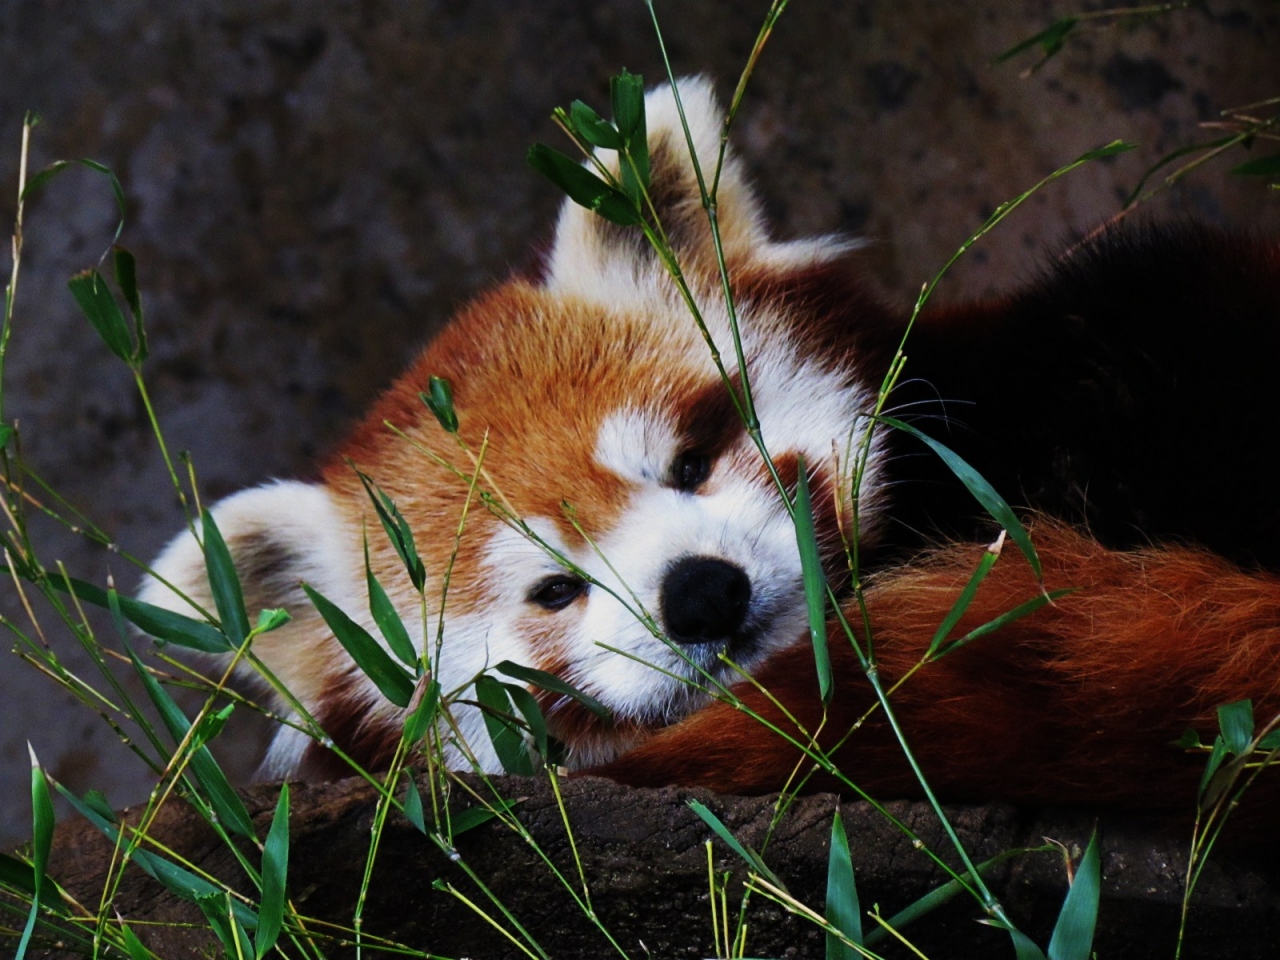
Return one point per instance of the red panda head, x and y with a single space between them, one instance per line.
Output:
591 402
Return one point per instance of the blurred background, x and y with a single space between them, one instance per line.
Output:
314 188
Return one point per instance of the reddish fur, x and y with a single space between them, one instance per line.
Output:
1076 703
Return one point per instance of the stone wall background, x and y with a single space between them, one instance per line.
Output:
313 188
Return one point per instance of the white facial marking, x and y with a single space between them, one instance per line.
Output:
636 445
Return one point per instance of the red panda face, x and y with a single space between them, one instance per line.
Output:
599 432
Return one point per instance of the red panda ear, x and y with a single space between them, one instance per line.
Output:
599 260
595 259
279 536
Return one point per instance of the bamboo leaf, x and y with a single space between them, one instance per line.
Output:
989 558
499 719
1168 158
1268 166
177 880
275 869
424 714
41 843
1216 756
942 894
981 491
532 713
1021 610
582 186
126 270
413 811
97 303
593 128
226 803
815 583
398 532
387 617
137 951
388 676
1049 40
1236 722
627 93
751 858
843 910
473 817
1073 933
439 400
549 681
58 166
224 582
152 620
218 909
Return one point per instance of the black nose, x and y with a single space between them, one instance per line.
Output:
704 600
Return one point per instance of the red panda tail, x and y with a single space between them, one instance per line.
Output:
1078 702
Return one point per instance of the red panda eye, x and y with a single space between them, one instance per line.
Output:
556 593
690 471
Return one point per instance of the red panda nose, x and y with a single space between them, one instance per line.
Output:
704 600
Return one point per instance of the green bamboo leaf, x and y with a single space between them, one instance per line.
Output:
137 951
386 617
1024 947
593 128
524 702
815 583
41 844
989 558
843 910
48 173
943 894
398 532
1236 722
1216 756
981 491
1073 933
413 811
504 731
275 870
1190 740
1268 166
269 620
439 400
216 789
218 909
388 676
1021 610
1049 40
224 582
627 93
473 817
549 681
1168 158
16 875
6 434
97 303
1271 741
126 270
582 186
152 620
424 714
180 882
751 858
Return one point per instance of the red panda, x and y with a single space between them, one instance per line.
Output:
1127 392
